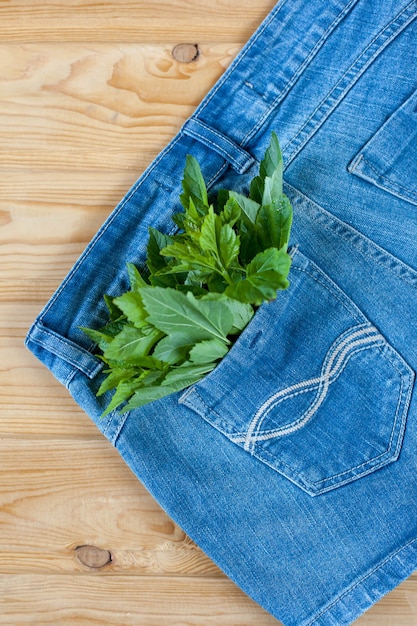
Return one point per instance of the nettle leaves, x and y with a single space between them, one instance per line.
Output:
200 289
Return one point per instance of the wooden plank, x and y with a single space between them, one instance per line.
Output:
125 601
152 21
146 601
34 406
98 105
56 496
54 207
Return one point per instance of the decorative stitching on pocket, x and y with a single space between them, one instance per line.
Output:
349 343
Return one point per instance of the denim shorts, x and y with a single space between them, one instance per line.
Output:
293 464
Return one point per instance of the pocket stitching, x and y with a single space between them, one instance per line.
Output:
334 291
374 463
391 186
324 380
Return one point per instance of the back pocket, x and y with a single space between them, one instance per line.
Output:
311 387
389 159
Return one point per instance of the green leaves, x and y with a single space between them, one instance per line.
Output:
265 274
200 289
176 313
194 186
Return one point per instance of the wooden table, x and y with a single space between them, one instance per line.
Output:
89 94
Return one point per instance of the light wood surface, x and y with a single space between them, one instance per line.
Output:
89 94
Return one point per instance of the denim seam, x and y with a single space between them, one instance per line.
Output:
345 337
313 52
241 56
266 435
390 185
221 424
90 373
336 293
65 381
246 161
360 582
350 78
348 233
215 176
120 423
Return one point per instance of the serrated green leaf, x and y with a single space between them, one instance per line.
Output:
193 218
178 378
167 278
145 395
173 312
266 273
187 374
231 211
194 186
272 162
123 392
249 244
179 219
131 305
219 240
229 245
101 338
114 311
274 223
242 314
216 283
272 259
131 344
249 207
157 241
173 349
210 231
256 189
272 188
254 289
208 351
115 377
135 278
189 254
222 198
271 166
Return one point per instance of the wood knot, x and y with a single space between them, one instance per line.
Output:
185 52
93 557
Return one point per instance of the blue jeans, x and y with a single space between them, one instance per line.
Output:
294 463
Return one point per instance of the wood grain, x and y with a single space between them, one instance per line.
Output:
56 496
147 21
111 106
126 601
89 94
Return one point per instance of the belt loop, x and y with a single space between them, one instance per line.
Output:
238 158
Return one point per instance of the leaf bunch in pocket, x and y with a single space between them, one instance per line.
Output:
200 287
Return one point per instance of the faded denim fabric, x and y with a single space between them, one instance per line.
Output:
294 463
